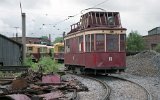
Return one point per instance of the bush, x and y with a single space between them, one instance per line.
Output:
46 63
135 42
28 62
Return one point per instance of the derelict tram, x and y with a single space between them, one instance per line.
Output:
96 44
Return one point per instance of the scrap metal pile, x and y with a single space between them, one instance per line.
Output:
37 86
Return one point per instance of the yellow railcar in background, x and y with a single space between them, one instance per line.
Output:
59 52
36 51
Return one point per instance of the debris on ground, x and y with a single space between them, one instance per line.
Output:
37 86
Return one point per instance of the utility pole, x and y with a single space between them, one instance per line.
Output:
24 35
63 35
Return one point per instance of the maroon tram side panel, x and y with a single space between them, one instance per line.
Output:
74 59
104 60
98 60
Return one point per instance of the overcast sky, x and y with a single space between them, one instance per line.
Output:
45 17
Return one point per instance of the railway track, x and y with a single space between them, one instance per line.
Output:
105 86
124 89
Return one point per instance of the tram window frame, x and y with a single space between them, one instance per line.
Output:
87 43
112 42
100 47
111 19
29 49
80 44
122 42
60 49
43 49
92 42
67 45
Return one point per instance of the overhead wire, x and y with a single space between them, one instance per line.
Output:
81 12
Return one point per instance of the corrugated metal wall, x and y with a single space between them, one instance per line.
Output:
10 52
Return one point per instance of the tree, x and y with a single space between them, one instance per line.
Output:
44 37
135 42
58 39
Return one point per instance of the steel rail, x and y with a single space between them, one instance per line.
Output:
149 96
105 85
75 95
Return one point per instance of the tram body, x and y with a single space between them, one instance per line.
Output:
96 44
37 51
59 52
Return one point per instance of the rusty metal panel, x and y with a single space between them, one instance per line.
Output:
19 97
51 79
105 60
52 96
10 52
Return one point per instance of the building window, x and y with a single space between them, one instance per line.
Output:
87 39
100 42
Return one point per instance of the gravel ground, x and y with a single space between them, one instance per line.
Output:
152 84
144 68
96 90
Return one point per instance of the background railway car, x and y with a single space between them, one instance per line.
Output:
96 44
59 52
36 51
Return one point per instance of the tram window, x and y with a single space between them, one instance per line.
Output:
110 19
100 42
29 49
40 49
67 48
60 49
80 43
87 39
112 42
43 49
92 42
122 42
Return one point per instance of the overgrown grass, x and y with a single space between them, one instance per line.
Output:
46 63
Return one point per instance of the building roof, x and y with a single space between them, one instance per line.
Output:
10 39
153 29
